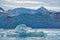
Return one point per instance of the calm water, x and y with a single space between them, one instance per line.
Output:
52 34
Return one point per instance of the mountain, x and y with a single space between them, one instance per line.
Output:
31 20
55 15
29 17
18 11
2 12
1 9
42 10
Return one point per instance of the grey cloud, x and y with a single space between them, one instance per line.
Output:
49 3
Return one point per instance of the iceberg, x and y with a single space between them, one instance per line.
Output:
19 30
22 28
23 31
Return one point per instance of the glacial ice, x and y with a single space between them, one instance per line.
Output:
2 32
23 31
1 29
19 30
22 28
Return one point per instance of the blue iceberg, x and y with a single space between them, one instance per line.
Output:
22 28
23 31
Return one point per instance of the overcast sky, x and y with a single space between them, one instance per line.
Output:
32 4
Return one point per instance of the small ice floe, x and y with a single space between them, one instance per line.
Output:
1 30
22 28
2 33
11 33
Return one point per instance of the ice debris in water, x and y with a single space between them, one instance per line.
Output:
2 32
22 30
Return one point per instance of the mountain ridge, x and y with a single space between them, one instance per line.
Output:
31 18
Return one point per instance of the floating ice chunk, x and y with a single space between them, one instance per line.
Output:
22 28
2 32
12 34
22 31
19 30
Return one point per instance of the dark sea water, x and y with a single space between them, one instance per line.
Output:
52 34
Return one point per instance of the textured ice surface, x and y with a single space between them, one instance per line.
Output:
23 31
53 34
22 28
